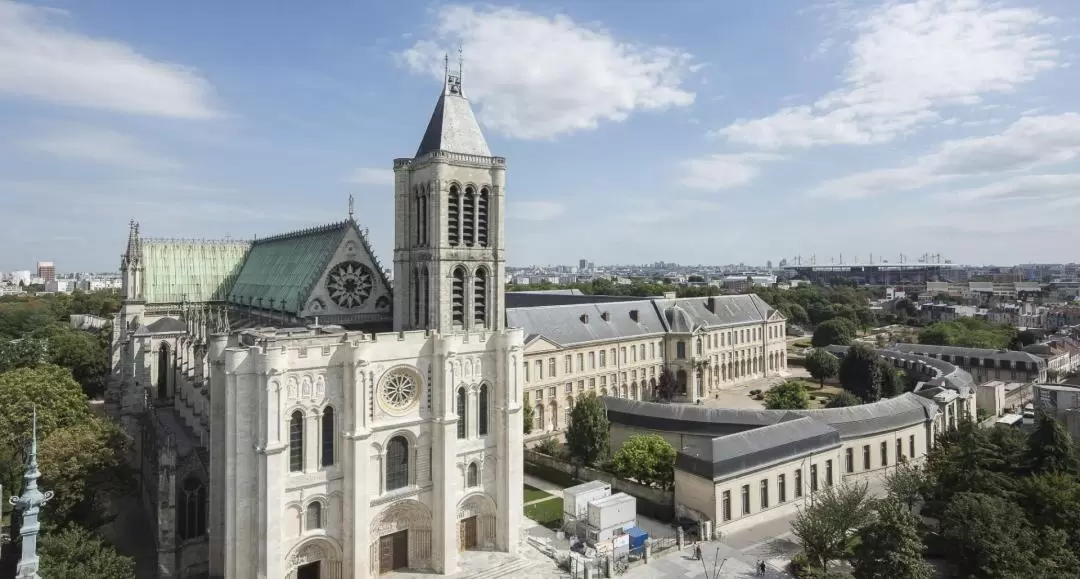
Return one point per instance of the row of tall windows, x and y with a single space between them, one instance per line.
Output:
480 296
481 411
467 221
296 440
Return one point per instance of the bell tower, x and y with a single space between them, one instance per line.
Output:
449 253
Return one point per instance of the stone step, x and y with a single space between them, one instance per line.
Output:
504 570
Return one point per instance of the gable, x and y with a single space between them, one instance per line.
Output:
350 286
776 316
540 344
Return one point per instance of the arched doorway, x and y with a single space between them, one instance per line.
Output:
476 523
318 558
401 538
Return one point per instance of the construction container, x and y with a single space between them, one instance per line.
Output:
611 516
576 498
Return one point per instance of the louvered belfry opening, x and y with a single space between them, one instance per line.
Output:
480 298
453 221
421 217
468 218
457 297
482 217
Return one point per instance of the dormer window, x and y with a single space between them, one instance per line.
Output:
605 316
584 318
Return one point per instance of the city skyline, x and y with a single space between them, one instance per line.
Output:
676 131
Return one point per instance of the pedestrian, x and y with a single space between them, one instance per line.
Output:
697 551
761 568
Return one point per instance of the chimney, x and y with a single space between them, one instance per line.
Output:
634 315
710 304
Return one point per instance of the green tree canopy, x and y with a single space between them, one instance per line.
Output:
788 395
859 373
1050 447
22 353
587 435
968 333
825 525
822 365
528 417
890 547
834 332
988 537
77 553
666 385
646 458
843 400
82 463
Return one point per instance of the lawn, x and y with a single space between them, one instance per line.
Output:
548 513
534 494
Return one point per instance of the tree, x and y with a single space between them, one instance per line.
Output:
666 385
888 379
904 485
587 434
843 400
857 373
528 417
646 458
82 463
1050 447
890 546
987 537
825 525
906 306
22 353
834 332
822 365
82 354
1026 338
76 552
788 395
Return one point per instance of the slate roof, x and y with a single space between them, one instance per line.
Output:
286 267
452 126
167 325
583 323
717 311
727 455
980 353
536 299
853 421
189 270
947 375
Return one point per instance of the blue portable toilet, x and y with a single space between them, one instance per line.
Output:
638 536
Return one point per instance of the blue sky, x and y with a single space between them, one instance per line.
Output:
635 131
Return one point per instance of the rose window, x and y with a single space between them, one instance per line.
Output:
349 284
398 392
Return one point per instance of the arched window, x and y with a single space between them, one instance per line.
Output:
296 442
468 217
191 519
462 408
453 222
697 347
328 436
397 463
473 476
482 411
163 370
314 516
480 298
482 218
457 297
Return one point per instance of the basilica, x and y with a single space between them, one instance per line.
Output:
295 416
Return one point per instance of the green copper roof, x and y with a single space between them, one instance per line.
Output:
286 267
190 270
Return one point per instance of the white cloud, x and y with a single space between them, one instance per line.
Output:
1028 143
43 61
1023 188
99 146
535 210
907 62
723 171
535 77
371 176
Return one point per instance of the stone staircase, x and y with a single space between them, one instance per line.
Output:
509 569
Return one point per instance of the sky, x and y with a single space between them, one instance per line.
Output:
689 131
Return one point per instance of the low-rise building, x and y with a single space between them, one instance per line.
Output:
984 364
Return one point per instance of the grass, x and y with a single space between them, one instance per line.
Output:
803 343
548 513
534 494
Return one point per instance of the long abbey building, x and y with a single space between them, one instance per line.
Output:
295 416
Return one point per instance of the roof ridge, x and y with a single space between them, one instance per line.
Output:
583 304
302 232
201 241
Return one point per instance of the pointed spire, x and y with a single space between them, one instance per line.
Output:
351 200
30 503
453 127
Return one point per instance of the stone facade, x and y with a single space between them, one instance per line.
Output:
282 431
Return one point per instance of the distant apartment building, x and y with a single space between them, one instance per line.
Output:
46 270
20 277
985 291
1062 317
1019 314
946 312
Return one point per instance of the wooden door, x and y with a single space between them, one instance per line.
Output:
400 549
467 531
309 571
386 554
